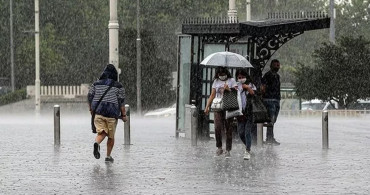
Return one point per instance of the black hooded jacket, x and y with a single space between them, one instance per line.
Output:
115 97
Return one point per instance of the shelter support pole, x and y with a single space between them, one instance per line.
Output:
259 134
194 125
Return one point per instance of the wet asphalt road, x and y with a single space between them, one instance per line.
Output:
158 163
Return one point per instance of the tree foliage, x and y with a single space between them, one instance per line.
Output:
74 38
341 72
74 42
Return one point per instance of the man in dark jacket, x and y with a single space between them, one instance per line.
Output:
109 110
271 97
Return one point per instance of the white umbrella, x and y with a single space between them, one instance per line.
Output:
227 59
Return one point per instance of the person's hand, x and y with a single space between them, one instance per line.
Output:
206 110
226 86
124 118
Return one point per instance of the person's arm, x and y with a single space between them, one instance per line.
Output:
263 84
263 90
90 97
232 83
226 87
248 88
123 111
209 102
121 101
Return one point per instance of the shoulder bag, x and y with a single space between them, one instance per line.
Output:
216 105
230 100
259 111
93 113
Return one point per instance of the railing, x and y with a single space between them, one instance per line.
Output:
297 15
211 20
275 15
314 113
60 91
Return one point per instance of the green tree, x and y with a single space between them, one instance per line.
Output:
341 72
353 18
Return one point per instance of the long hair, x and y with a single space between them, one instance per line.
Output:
243 72
220 70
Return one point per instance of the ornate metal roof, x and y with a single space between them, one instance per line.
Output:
275 23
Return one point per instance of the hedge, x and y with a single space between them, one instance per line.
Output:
12 97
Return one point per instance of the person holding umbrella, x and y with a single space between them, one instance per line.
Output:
222 81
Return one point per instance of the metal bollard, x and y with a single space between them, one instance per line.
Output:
127 127
56 125
259 134
194 125
325 131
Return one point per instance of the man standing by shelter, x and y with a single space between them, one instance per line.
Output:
271 97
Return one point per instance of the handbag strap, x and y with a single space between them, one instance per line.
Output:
101 98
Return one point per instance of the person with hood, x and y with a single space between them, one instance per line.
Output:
271 97
109 110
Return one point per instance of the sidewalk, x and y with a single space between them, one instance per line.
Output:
158 163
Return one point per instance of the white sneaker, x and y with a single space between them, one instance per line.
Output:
227 154
247 155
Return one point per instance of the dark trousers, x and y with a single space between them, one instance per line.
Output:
223 125
273 108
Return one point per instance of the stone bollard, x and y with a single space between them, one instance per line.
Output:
56 125
194 125
127 127
325 130
259 134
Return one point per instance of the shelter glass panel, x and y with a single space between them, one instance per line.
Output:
239 48
212 48
195 48
184 80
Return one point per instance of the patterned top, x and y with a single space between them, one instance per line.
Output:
112 101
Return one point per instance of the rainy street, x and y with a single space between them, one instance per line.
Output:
158 163
176 74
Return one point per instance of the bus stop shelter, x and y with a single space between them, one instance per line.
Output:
256 40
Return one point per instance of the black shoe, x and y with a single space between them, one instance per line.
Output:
272 142
109 159
96 150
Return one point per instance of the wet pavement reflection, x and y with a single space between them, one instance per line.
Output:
158 163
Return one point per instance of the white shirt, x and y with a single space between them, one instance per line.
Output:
244 93
219 86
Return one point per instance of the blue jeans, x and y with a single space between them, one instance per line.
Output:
273 108
244 130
